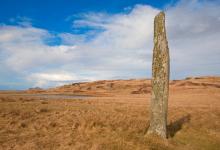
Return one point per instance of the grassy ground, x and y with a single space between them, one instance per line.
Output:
110 123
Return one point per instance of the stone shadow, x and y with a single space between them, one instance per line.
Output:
175 126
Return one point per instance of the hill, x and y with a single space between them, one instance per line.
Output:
132 86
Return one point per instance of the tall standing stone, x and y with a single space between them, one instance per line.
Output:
160 79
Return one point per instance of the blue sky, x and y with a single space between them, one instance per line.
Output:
53 14
51 43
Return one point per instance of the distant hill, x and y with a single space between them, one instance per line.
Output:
132 86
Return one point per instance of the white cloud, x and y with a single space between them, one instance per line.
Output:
25 48
123 41
95 20
117 45
193 31
18 34
54 78
72 39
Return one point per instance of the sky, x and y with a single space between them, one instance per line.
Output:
54 42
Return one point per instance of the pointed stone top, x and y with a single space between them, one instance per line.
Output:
160 15
159 19
159 26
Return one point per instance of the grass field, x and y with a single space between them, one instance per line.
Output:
116 122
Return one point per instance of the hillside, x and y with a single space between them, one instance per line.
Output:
132 86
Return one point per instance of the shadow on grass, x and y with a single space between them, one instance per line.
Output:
175 126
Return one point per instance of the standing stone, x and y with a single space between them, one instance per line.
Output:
160 79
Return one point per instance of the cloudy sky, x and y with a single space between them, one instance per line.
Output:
55 42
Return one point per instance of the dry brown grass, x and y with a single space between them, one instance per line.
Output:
110 123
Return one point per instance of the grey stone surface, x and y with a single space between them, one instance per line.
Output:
160 79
